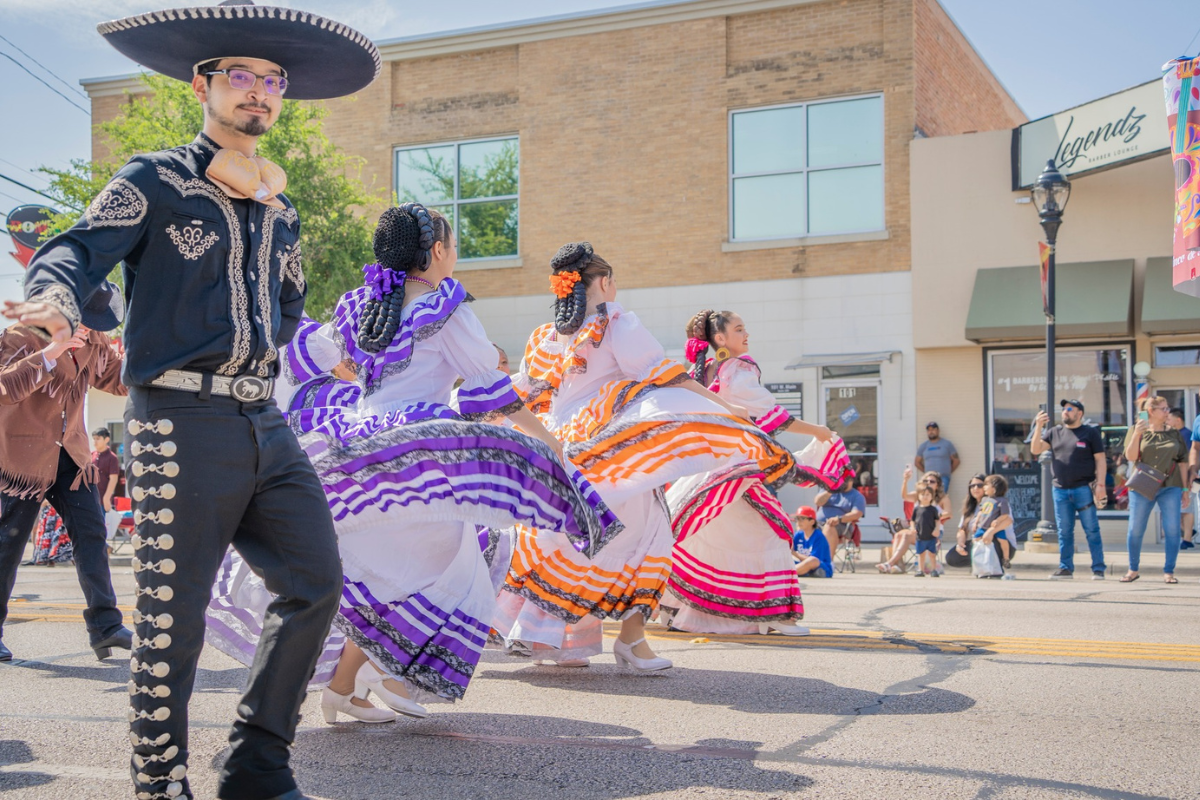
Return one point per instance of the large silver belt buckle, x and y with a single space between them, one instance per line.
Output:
248 388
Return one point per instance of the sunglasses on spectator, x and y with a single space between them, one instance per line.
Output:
244 80
974 485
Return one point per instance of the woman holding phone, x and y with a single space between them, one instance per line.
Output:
1158 456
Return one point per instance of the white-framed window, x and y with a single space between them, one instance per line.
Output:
474 183
806 169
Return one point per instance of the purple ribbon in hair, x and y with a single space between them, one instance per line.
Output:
379 278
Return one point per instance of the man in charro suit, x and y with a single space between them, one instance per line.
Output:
214 287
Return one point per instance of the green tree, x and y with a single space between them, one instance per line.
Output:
323 182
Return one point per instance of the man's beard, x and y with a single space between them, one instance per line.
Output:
253 126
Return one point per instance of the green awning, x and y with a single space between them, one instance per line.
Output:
1094 298
1165 310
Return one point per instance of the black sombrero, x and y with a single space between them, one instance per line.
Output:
323 58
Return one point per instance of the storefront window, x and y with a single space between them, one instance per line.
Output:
1017 389
852 412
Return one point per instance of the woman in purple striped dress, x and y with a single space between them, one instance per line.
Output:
408 478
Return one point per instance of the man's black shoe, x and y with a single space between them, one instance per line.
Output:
1061 575
122 639
5 653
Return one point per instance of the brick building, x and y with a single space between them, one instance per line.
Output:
741 154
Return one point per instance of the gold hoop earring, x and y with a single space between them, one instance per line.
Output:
722 354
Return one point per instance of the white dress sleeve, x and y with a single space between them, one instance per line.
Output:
741 384
312 352
486 392
637 352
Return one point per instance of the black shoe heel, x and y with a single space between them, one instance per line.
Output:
103 652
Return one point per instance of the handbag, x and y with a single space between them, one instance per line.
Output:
985 563
1146 480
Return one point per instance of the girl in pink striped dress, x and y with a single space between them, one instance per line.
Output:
733 570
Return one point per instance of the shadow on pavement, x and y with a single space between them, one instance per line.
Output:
15 751
749 692
503 756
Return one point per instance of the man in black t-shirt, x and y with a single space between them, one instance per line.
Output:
1079 472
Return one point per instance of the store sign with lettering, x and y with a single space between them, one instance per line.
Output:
1119 129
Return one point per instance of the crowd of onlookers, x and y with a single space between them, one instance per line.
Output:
1162 459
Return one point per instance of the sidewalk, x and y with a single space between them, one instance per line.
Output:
1028 564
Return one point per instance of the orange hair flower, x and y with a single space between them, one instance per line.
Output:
563 283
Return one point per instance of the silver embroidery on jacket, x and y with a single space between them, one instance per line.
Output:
263 270
239 304
63 299
190 241
291 267
119 205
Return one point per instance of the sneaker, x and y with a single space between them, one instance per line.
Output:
1186 545
937 573
1097 576
1061 575
919 574
1008 576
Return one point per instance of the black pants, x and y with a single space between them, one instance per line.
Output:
206 474
83 519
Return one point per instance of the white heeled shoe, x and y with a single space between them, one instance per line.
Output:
369 679
566 662
332 703
783 628
626 658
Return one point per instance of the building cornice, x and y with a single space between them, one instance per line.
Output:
514 33
581 24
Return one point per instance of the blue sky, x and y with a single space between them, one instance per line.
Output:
1098 47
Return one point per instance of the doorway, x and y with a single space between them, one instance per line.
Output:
851 410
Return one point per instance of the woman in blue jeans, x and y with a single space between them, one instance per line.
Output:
1154 443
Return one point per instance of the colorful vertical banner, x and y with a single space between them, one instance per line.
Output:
1044 253
1181 85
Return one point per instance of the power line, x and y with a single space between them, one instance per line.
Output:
43 66
35 191
18 166
48 86
1189 44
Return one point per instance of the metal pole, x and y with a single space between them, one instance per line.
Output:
1046 528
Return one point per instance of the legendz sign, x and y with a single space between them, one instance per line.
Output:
1123 127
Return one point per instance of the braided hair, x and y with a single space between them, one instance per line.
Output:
701 330
403 242
570 311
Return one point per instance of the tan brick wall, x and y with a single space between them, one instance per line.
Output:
104 108
624 133
955 91
950 391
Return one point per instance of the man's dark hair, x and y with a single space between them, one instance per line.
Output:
102 432
208 66
1178 412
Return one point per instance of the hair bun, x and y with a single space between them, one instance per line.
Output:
573 256
404 238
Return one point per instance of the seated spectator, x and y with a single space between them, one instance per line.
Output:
810 550
927 529
994 516
838 512
960 556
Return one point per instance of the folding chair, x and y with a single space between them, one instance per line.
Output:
124 533
851 550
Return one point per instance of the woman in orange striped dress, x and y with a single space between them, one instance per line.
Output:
732 562
632 421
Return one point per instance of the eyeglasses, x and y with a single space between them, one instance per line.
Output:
244 80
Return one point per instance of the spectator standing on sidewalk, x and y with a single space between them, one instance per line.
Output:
937 455
1079 469
1187 525
44 454
1157 451
108 469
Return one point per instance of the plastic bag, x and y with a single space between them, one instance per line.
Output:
984 561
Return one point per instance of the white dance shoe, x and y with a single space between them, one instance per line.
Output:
570 663
626 658
369 679
333 703
783 628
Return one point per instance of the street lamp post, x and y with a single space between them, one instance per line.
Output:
1050 193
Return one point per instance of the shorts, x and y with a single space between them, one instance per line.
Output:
927 546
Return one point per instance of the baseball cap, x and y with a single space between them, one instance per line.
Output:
1065 403
929 425
806 511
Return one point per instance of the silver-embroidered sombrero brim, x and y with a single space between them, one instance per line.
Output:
323 58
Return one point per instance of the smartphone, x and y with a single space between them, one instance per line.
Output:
1143 415
1042 407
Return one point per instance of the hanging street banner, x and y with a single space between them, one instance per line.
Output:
1044 251
1181 86
27 225
1119 129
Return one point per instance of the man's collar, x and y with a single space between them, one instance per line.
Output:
206 143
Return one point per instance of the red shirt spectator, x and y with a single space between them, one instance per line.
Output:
108 467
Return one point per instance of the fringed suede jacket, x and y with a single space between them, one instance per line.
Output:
41 411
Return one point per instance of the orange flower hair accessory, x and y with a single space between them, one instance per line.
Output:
563 283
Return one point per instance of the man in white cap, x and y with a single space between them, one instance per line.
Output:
214 287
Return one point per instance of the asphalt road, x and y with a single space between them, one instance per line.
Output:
938 688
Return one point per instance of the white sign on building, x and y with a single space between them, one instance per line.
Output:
1123 127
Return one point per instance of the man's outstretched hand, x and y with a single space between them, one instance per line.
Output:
40 315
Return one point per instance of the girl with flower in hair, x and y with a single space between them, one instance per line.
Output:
408 478
633 421
732 561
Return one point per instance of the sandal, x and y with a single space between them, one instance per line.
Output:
1170 579
1130 578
